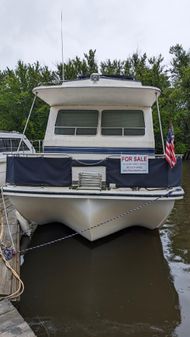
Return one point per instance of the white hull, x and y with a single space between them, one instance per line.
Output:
2 171
94 214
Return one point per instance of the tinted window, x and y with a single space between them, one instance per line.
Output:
122 123
76 122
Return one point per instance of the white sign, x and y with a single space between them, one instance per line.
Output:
131 163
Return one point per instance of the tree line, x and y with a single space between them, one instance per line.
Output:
174 81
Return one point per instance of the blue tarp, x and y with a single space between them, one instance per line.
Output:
38 171
160 174
43 171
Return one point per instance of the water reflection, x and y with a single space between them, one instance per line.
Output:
118 286
178 225
175 237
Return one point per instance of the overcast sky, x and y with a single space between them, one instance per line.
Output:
30 30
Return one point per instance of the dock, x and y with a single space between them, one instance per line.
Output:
9 283
11 322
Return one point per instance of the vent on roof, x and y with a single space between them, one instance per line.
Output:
95 77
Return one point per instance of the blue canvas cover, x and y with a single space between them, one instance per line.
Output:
44 171
160 174
38 171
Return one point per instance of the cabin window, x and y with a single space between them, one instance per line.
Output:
76 122
122 123
11 145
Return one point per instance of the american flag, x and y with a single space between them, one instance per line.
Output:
170 149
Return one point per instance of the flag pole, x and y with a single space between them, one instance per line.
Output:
160 124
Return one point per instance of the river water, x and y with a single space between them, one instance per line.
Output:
135 283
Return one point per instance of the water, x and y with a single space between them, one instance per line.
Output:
135 283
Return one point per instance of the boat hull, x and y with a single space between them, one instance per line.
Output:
2 170
94 215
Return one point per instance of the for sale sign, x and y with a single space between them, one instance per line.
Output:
134 164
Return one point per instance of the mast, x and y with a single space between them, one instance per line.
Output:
62 60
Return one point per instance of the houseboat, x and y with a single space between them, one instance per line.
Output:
10 142
99 172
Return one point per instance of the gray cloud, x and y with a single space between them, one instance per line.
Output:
30 29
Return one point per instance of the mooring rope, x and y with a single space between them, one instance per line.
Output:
20 288
6 218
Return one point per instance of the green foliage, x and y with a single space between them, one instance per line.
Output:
180 61
77 67
16 98
16 90
112 67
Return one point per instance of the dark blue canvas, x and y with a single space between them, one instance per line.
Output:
38 171
160 174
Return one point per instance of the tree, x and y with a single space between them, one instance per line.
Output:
16 98
180 61
180 76
76 67
16 90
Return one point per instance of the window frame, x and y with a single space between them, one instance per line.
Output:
77 128
143 128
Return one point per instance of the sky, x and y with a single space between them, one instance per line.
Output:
30 30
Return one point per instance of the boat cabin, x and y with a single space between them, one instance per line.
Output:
10 141
99 117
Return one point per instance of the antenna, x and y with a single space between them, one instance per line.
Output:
62 60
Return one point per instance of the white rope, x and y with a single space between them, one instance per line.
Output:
89 164
20 288
6 218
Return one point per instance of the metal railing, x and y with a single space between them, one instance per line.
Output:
38 145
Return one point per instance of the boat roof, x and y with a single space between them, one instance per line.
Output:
11 134
98 90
